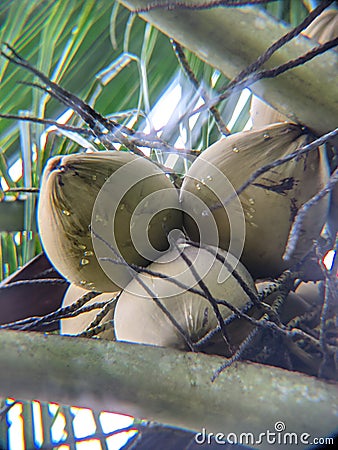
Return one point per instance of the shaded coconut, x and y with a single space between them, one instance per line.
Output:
270 203
78 324
310 293
293 306
304 306
139 319
67 202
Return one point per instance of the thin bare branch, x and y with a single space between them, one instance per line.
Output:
267 73
279 43
49 281
32 322
198 87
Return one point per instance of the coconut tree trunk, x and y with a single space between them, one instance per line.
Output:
232 38
164 385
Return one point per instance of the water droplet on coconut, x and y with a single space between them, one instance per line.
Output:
209 177
84 262
198 186
66 212
249 216
205 213
203 181
235 149
82 246
88 253
94 177
83 282
253 224
251 201
122 206
98 218
266 136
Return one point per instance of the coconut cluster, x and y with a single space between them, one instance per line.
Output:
168 302
168 309
67 212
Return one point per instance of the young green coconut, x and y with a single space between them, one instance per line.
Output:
138 318
270 203
79 323
72 221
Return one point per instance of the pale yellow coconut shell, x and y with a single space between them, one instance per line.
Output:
70 186
138 319
263 114
78 324
324 27
270 205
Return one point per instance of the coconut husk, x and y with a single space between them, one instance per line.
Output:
69 190
269 205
